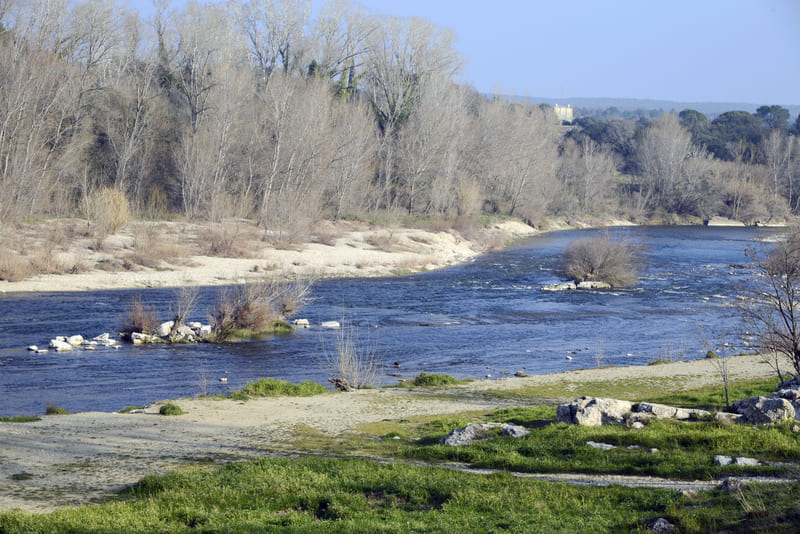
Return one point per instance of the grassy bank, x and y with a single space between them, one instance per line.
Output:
340 493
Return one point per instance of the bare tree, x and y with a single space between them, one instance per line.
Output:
587 169
401 55
275 33
521 153
339 38
771 304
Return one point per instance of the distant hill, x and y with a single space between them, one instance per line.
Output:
710 109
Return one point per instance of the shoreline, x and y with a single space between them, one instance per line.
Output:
347 251
338 250
66 465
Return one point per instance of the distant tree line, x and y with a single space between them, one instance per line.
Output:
254 109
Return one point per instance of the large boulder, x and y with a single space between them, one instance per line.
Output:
476 432
594 411
764 410
60 344
164 329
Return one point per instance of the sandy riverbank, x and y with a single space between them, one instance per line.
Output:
77 459
177 254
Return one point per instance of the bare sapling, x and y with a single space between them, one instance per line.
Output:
771 304
183 305
353 362
138 317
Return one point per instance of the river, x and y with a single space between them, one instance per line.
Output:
486 317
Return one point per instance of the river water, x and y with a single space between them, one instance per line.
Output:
485 317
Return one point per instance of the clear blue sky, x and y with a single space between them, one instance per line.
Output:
682 50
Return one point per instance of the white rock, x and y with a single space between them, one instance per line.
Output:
746 461
41 351
138 338
637 425
205 330
764 410
75 341
165 328
723 460
330 324
33 348
301 322
60 345
594 284
194 325
594 411
601 446
566 286
102 338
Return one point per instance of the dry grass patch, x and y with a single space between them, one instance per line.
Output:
152 248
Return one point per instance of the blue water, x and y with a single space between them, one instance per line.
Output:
486 317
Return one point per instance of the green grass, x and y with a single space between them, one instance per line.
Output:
270 387
170 409
20 419
55 410
713 397
685 450
354 495
340 494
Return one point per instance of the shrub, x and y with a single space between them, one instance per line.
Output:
13 267
170 409
425 379
601 259
354 363
55 410
256 308
138 317
270 387
107 210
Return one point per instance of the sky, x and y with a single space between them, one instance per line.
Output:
745 51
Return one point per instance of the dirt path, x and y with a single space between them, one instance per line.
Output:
76 459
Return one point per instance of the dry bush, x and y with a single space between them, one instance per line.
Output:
255 307
354 361
422 239
107 210
138 317
602 259
185 300
491 241
385 241
232 241
466 226
151 249
13 267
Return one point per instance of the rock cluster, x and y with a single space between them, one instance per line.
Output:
477 432
67 343
167 332
596 411
568 286
783 405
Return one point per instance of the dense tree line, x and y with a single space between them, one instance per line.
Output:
252 108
